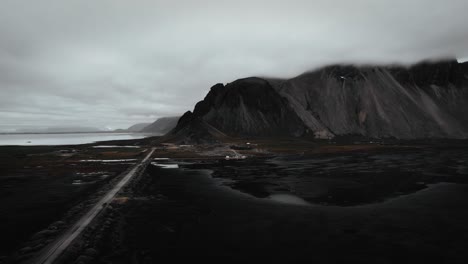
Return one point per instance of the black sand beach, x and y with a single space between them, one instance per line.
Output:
216 210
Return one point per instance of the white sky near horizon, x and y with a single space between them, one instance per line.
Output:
114 63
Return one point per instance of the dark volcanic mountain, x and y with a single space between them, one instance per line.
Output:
249 107
427 100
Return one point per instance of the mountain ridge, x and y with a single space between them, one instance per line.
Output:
425 100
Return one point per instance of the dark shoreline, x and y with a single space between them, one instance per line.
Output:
368 196
55 133
181 214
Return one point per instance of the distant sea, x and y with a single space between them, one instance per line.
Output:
63 138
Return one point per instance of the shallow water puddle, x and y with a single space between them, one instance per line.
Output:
165 166
108 161
115 146
80 182
161 159
288 199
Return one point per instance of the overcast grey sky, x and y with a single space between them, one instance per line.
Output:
113 63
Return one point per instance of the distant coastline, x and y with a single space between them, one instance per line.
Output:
87 132
66 138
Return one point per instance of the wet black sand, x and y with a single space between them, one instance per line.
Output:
187 214
323 203
347 179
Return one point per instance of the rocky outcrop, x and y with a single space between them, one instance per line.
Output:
428 100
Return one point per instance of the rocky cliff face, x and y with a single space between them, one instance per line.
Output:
424 101
249 107
428 100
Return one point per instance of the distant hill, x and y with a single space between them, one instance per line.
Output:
427 100
138 127
162 125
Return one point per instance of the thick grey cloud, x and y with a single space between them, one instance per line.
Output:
112 63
